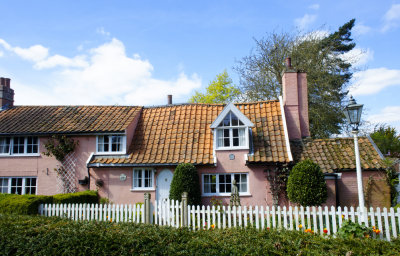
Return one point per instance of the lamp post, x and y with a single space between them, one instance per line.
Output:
353 115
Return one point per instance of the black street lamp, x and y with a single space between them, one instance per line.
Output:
353 115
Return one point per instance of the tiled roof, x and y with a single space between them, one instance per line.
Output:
66 119
182 134
338 154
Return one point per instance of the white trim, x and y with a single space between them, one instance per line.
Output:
152 188
236 111
217 184
375 147
23 186
123 146
285 129
11 146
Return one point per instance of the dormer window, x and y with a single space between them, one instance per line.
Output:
111 144
231 129
231 132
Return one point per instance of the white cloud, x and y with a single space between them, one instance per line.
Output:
391 18
314 6
305 21
62 61
34 53
360 29
105 76
387 115
374 80
101 31
358 57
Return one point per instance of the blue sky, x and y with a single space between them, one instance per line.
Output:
137 52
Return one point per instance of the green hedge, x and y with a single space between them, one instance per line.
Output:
29 204
34 235
89 197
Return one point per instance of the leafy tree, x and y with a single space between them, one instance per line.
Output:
328 73
306 184
220 90
387 139
185 179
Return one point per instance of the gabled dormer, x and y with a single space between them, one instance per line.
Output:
231 129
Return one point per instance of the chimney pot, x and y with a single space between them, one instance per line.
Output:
288 62
169 99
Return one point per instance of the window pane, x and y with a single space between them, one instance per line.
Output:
235 132
242 137
210 181
3 185
226 133
227 143
30 185
235 142
32 146
220 138
18 147
116 144
227 120
4 145
235 120
16 186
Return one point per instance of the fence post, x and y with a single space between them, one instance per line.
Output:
147 212
184 209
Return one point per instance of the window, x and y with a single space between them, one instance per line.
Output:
143 179
231 133
19 145
111 144
221 184
18 185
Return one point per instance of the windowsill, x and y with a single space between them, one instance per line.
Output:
232 148
142 189
110 153
225 194
19 155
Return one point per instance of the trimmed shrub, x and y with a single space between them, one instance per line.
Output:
22 204
186 179
34 235
29 204
306 184
88 197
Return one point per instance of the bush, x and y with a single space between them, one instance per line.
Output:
29 204
88 197
22 204
306 184
34 235
186 179
353 230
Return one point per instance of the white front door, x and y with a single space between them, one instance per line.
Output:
163 184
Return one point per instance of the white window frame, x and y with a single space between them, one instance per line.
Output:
23 186
217 184
10 150
109 152
231 147
143 188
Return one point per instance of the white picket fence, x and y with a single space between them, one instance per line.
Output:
169 213
101 212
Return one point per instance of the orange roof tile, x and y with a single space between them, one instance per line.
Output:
66 119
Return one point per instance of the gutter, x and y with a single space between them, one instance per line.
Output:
99 165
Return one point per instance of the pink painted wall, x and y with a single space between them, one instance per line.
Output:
43 167
130 131
258 184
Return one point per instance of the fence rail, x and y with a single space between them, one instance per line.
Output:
170 213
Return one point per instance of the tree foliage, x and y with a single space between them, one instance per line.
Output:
220 90
185 179
328 72
306 184
387 139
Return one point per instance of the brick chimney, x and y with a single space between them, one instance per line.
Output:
6 94
295 102
169 98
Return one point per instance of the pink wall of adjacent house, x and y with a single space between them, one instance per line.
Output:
42 166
